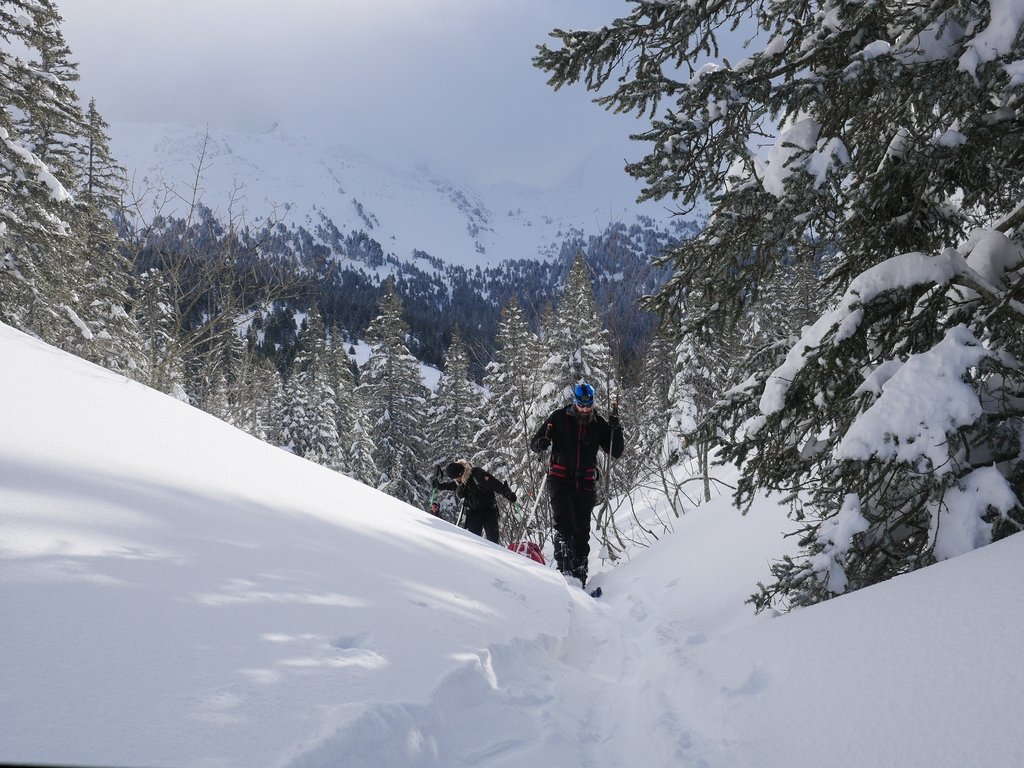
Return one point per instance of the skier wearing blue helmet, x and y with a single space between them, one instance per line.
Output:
575 434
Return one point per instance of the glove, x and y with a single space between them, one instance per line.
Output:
435 509
542 443
434 484
613 419
511 496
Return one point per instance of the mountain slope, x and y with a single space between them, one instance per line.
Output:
403 204
344 221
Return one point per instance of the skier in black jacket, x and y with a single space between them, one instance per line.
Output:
477 489
575 434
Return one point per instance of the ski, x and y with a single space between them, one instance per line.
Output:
574 582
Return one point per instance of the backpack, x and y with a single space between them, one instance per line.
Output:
528 549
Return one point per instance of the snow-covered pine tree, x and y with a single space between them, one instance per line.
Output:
354 428
260 403
293 413
156 316
456 410
116 342
237 367
896 422
649 409
706 362
311 423
242 373
33 199
50 118
360 452
577 342
703 371
217 401
395 396
356 457
52 124
513 384
553 373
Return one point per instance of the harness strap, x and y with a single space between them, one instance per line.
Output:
562 472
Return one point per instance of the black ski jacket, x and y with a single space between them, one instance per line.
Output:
478 491
574 445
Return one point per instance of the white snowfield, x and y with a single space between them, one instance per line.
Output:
175 593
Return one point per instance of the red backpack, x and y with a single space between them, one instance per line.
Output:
528 549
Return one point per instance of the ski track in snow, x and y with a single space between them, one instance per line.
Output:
552 701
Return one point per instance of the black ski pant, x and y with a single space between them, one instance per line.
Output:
479 521
571 508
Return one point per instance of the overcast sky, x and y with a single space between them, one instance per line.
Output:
449 80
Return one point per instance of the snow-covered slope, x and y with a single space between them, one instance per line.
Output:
175 593
304 173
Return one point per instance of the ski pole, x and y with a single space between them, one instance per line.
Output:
605 515
540 488
433 491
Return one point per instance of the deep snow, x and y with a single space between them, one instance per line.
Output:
176 593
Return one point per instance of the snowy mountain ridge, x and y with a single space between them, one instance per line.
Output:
307 176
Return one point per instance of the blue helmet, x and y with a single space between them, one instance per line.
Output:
583 395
